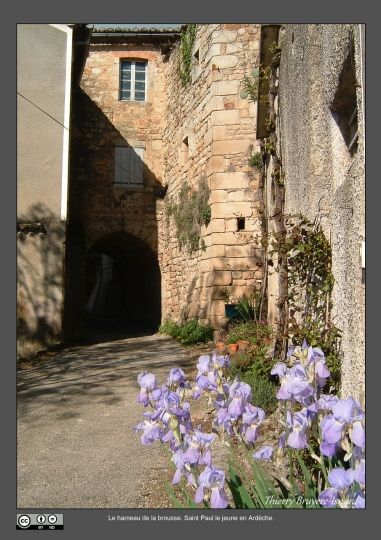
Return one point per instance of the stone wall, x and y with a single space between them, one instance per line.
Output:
103 122
218 127
324 177
103 213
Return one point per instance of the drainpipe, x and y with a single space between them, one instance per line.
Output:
362 48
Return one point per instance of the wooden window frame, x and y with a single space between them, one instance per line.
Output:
133 79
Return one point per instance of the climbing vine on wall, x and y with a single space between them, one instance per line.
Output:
189 212
310 284
188 37
303 254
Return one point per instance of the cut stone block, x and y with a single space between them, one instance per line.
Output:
224 36
236 180
215 164
232 209
217 277
230 147
221 118
225 88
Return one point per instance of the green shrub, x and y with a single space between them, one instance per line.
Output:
189 333
254 333
192 332
170 328
256 160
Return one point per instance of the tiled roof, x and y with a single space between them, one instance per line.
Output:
136 28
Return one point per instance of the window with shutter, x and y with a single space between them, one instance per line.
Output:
129 166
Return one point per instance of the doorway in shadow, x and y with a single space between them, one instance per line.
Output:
123 287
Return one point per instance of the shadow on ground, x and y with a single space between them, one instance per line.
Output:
94 373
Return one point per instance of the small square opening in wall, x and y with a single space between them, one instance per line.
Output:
240 224
196 55
185 149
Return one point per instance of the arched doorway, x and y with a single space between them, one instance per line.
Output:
123 285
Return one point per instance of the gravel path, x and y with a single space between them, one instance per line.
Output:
76 413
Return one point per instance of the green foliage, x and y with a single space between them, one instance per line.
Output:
250 86
256 360
249 331
170 328
188 37
189 213
259 490
256 160
189 333
248 307
269 148
310 283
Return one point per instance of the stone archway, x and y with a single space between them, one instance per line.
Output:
123 285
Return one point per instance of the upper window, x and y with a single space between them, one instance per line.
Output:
133 80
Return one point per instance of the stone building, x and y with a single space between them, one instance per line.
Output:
140 135
320 137
142 143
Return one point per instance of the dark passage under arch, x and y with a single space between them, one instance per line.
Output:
123 285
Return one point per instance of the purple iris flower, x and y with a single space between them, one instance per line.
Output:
328 450
314 354
147 382
297 437
265 452
332 429
357 434
294 384
204 364
359 502
321 372
241 390
328 498
198 450
151 431
340 478
224 420
182 468
358 473
204 383
176 377
344 410
220 361
213 481
279 369
251 420
239 396
326 402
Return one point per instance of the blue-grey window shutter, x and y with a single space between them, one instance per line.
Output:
129 165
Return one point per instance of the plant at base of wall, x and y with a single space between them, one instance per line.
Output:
188 37
189 333
310 284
